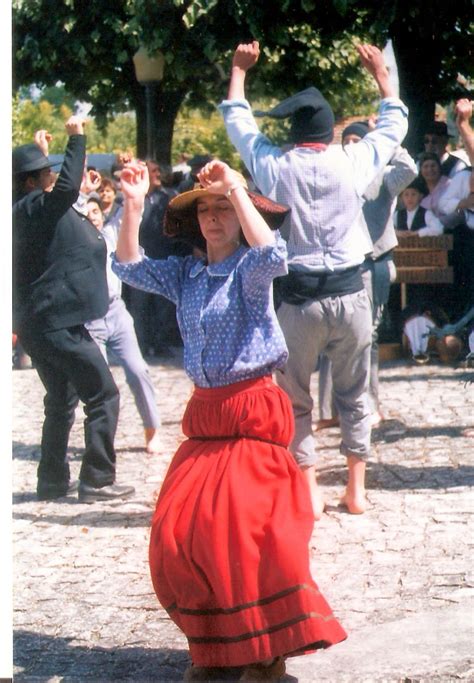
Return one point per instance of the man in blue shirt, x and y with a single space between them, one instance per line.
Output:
325 308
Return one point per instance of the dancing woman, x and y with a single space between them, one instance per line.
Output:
229 542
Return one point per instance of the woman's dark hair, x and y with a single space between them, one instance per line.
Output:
429 156
108 182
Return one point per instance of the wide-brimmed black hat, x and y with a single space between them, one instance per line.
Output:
29 158
312 119
181 215
437 128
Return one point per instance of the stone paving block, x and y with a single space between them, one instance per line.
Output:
84 607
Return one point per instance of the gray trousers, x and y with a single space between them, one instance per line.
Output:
115 333
340 327
327 405
327 408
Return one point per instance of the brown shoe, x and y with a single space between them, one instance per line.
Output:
260 672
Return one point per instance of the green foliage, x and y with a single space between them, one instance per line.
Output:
89 45
29 116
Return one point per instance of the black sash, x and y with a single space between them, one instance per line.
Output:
298 287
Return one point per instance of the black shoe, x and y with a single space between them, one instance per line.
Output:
90 494
46 490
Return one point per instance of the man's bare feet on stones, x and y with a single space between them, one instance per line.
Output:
355 503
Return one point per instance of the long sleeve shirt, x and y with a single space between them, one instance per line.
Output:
323 188
224 310
458 189
381 198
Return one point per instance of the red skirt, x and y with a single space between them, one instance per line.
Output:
229 542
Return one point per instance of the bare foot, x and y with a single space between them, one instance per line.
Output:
325 424
153 441
376 419
355 503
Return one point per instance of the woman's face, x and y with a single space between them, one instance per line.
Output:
430 170
218 222
107 195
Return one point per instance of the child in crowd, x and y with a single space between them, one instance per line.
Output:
414 216
229 542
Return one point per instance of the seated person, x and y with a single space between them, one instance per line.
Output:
419 320
413 216
436 182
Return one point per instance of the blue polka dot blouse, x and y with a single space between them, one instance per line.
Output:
224 310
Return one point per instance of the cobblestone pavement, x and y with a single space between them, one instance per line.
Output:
400 578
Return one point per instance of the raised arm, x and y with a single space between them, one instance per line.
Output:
245 57
219 178
463 111
372 59
42 139
134 184
66 188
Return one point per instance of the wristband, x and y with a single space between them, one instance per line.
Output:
231 189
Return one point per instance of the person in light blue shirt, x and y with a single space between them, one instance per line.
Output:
115 333
228 553
325 308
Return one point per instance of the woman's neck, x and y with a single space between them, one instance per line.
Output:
217 254
432 184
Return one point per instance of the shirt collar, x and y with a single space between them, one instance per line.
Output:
221 269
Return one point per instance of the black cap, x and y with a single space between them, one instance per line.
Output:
359 128
418 184
29 158
199 160
312 119
437 128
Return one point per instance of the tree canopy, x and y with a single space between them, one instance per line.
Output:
89 47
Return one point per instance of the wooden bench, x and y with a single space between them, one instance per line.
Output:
422 260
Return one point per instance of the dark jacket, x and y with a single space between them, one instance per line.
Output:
59 276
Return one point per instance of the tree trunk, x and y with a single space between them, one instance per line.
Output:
155 138
418 56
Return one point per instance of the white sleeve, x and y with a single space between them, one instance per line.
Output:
433 228
457 189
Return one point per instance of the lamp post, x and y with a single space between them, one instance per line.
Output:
149 70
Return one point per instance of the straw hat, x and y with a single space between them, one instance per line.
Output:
181 215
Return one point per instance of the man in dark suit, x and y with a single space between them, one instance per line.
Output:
59 284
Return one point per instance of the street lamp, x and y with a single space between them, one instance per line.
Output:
149 70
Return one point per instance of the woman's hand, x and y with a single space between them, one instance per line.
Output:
218 178
134 181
